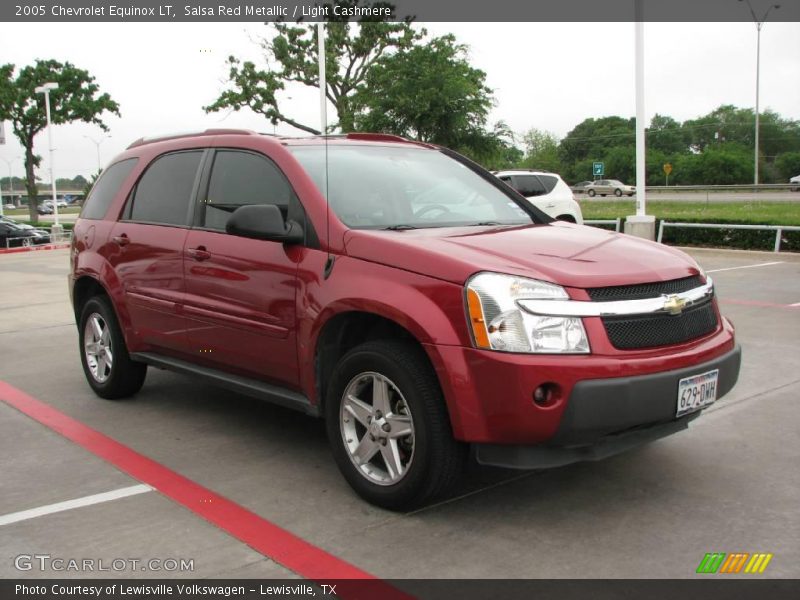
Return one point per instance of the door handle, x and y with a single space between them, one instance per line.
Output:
199 253
121 240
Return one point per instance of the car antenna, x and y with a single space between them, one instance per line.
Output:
323 116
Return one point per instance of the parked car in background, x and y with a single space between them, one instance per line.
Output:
580 187
606 187
795 180
45 209
9 206
546 191
398 290
39 232
13 235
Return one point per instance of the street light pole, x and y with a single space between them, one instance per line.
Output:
45 89
97 144
759 24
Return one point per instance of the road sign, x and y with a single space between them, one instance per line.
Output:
667 168
598 169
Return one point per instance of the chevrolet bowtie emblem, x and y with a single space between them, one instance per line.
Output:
674 305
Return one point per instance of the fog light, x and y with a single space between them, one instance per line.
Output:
546 394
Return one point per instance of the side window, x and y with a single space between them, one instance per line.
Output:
549 182
105 188
528 185
164 192
242 178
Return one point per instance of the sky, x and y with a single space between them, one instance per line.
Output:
550 76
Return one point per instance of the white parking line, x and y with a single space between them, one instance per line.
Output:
49 509
780 262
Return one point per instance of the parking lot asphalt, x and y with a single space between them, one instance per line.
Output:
730 483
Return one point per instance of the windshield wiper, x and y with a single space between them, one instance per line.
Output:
401 227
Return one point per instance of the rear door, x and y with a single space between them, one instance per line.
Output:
149 240
240 292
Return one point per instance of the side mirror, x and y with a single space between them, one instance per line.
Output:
264 222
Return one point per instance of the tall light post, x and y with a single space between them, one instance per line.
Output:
97 144
759 24
45 89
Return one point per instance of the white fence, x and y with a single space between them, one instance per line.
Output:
778 229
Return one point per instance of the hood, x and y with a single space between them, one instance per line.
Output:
562 253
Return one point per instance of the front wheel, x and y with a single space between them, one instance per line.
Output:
388 426
591 193
108 368
618 193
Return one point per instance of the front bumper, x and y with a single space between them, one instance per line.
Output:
604 417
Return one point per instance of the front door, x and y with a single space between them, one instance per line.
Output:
240 292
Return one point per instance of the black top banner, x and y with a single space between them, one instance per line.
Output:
418 10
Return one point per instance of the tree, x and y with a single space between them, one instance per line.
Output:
665 134
788 165
541 150
431 93
76 99
351 52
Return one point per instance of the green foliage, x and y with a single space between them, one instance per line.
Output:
717 165
716 148
431 93
541 150
77 98
788 165
291 55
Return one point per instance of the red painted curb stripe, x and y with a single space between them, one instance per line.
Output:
276 543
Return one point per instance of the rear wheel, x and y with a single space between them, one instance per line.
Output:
388 426
108 368
591 193
618 193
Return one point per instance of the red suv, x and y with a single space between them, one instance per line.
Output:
414 301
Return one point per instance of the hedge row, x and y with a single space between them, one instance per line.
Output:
744 239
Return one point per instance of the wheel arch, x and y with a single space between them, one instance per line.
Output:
344 331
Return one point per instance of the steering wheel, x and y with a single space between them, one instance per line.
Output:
430 207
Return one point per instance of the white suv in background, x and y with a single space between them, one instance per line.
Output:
546 191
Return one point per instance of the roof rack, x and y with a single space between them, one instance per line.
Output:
171 136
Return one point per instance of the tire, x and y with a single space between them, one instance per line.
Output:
591 193
618 193
123 377
433 459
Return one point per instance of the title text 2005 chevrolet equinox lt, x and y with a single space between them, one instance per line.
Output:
401 292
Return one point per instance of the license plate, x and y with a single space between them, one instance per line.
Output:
696 392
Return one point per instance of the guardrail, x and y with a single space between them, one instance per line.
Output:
778 229
616 222
739 187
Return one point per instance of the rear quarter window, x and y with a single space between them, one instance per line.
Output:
105 188
549 182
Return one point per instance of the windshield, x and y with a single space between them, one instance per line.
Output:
380 187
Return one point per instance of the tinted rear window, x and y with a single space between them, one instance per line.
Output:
549 182
106 188
163 193
528 185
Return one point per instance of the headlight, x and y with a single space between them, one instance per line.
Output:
498 323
